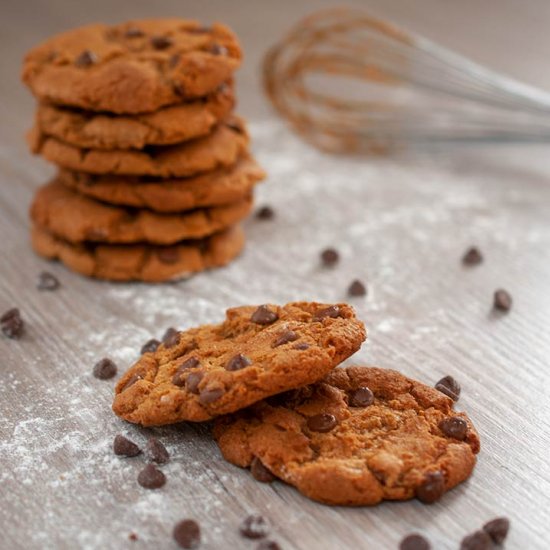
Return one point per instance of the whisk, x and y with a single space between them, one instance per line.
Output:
348 82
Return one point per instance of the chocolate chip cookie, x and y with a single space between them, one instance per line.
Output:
135 67
359 436
222 186
222 147
256 352
76 218
167 126
141 262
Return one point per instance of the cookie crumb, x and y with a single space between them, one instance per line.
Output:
187 533
12 324
105 369
254 526
330 257
151 477
502 300
122 446
497 529
414 542
265 213
479 540
156 451
472 256
357 288
47 281
449 386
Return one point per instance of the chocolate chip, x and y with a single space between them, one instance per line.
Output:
323 422
264 316
301 346
47 281
330 257
414 542
190 363
209 396
454 427
497 529
104 369
161 42
260 472
502 300
268 545
357 288
331 311
151 477
265 213
238 362
133 537
168 254
170 338
85 59
156 451
285 337
122 446
217 49
449 386
11 323
361 397
150 346
479 540
254 526
193 380
131 381
187 533
431 488
133 32
472 256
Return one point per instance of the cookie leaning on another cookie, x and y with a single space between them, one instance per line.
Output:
256 352
359 436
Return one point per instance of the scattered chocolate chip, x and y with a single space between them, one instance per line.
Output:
449 386
85 59
122 446
361 397
301 346
330 257
265 213
268 545
104 369
260 472
187 533
161 42
455 427
168 254
285 337
171 337
217 49
502 300
431 488
357 288
150 346
209 396
238 362
47 281
264 316
331 311
254 526
497 529
133 32
151 477
414 542
479 540
133 537
193 380
11 323
323 422
190 363
156 451
131 381
472 256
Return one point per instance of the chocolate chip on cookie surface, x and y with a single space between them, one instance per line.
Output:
217 369
340 450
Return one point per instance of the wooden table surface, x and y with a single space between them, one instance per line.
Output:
401 224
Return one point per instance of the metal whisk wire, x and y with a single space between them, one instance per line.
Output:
349 82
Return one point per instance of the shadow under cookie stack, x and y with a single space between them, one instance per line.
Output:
154 168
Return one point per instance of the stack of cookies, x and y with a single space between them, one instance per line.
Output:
268 376
154 172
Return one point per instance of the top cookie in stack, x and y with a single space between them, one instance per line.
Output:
154 169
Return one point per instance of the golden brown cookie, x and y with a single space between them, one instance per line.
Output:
222 147
222 186
135 67
256 352
167 126
76 218
359 436
141 262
